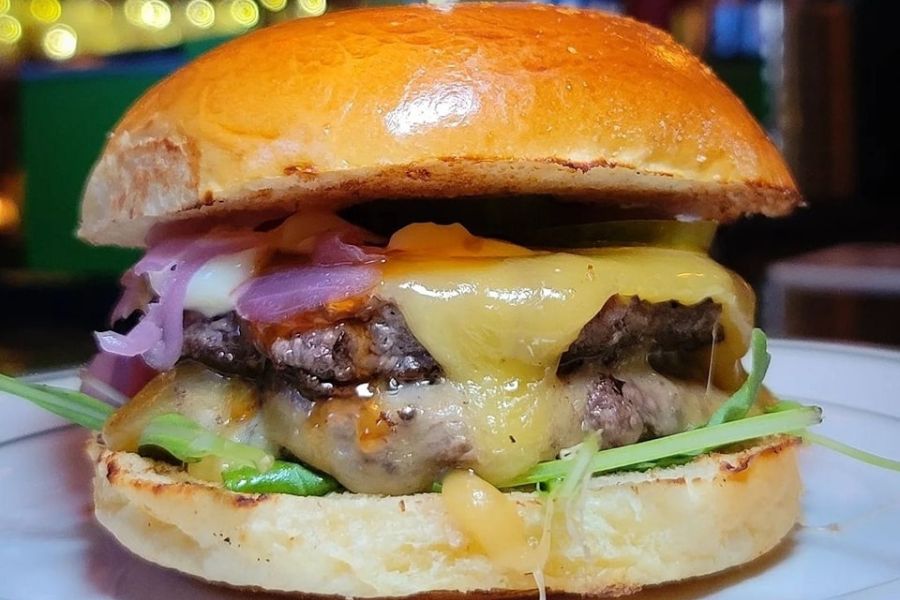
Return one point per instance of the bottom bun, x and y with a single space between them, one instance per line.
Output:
635 529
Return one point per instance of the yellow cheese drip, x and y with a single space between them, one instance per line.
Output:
430 240
499 325
488 517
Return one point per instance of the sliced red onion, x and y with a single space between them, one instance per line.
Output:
137 291
136 294
142 338
334 248
115 379
168 266
275 297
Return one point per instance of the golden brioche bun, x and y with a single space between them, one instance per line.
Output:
638 529
415 101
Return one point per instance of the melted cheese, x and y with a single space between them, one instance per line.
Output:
211 289
499 325
489 518
298 233
430 241
497 317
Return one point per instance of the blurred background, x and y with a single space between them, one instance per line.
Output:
818 74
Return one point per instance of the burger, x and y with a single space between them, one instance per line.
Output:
426 306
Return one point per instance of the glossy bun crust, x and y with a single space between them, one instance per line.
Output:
416 101
637 529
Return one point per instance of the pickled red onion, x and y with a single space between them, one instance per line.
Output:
157 284
334 248
114 378
277 296
168 266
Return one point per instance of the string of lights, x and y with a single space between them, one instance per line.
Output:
61 30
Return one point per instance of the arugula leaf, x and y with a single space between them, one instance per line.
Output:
679 444
663 463
189 442
580 465
283 478
735 408
73 406
834 445
783 405
739 404
251 470
856 453
185 440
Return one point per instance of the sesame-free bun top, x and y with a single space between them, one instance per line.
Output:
424 102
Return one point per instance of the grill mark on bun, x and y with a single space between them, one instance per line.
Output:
249 501
301 170
744 461
112 470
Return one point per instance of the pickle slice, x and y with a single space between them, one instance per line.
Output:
535 221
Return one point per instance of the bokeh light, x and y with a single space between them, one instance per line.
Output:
274 5
312 8
10 29
46 11
245 12
104 27
200 13
9 213
155 14
60 42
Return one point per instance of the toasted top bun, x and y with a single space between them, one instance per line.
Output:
634 530
416 101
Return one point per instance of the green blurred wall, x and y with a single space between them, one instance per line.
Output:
66 112
66 115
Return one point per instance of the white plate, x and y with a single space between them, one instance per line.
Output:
847 547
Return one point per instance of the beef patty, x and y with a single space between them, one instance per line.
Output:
378 345
321 362
310 380
222 344
625 327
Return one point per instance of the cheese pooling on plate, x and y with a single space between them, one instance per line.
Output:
388 365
